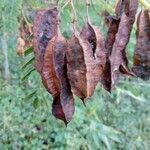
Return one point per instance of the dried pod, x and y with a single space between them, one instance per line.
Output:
66 97
45 28
118 59
121 6
94 55
113 24
24 40
50 54
20 46
76 67
25 32
55 78
142 49
85 61
129 7
50 80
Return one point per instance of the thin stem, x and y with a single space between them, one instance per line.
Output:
60 11
26 20
74 18
87 11
62 8
56 2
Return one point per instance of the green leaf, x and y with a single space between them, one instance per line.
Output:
36 103
28 63
30 96
27 74
28 51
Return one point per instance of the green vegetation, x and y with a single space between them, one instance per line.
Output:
116 121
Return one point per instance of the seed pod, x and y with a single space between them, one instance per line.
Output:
129 7
85 61
94 55
44 29
50 47
50 80
76 67
55 78
20 47
24 41
142 50
121 7
118 59
113 24
66 97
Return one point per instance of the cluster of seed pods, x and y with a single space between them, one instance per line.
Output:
75 66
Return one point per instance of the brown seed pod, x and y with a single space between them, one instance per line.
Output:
50 48
50 80
118 59
129 7
20 47
121 6
55 78
142 50
76 67
85 61
113 24
49 77
25 31
66 97
24 41
94 55
44 29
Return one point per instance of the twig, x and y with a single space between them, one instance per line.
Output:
74 21
87 11
62 8
56 2
26 20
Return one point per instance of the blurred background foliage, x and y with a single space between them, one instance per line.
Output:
116 121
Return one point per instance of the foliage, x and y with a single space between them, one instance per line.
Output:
9 13
116 121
